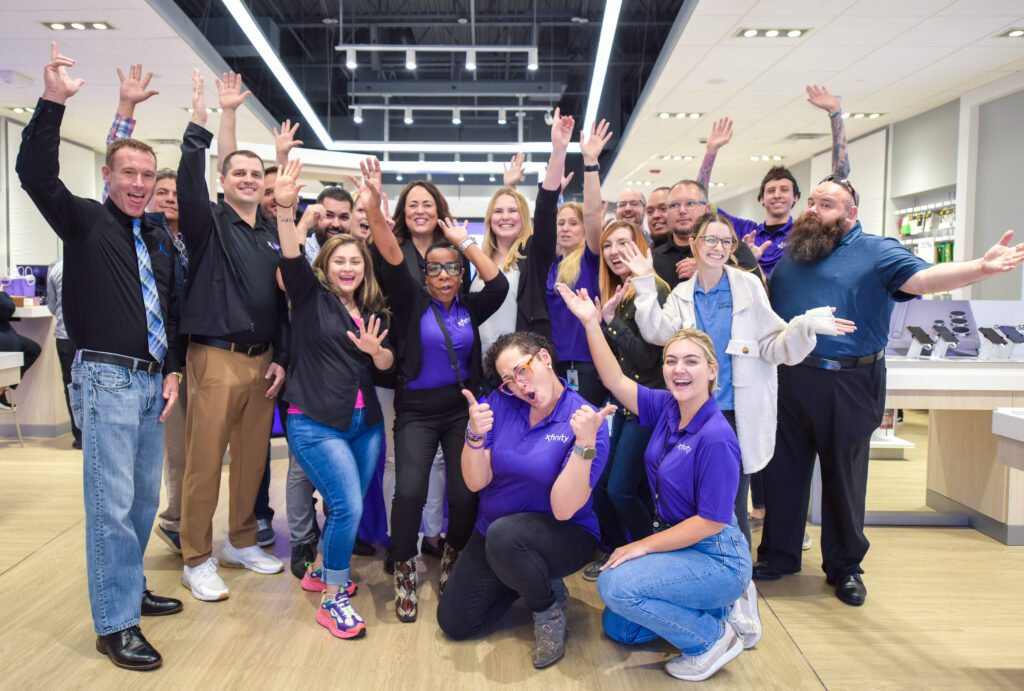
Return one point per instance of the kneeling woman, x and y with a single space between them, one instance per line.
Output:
681 582
335 427
534 450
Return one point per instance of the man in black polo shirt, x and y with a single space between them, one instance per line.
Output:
121 310
236 318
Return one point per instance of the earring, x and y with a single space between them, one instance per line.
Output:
549 365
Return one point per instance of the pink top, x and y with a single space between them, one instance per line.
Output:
359 394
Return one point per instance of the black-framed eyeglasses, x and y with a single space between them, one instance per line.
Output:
522 374
845 184
453 268
711 241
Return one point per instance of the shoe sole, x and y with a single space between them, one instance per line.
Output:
340 634
239 565
216 598
102 650
548 664
731 654
174 548
164 614
266 543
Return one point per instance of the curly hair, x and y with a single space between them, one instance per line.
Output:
526 341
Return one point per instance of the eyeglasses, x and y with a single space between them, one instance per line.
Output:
453 268
711 241
521 374
629 202
689 204
660 207
845 184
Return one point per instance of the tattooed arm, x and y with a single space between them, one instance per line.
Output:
820 97
721 133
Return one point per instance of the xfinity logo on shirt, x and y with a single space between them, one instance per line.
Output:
274 246
557 437
685 448
462 322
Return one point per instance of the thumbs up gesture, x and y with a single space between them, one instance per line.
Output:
481 417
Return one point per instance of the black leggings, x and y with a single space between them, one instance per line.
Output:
742 520
423 419
13 342
520 556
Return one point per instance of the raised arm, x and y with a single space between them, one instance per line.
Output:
514 172
820 97
572 487
621 387
457 235
285 141
476 457
286 192
593 215
369 185
1000 258
229 90
195 217
133 91
657 321
721 134
561 135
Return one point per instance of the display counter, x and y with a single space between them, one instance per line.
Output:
42 411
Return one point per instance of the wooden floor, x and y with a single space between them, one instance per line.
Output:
944 611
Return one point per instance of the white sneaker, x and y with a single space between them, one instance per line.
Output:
744 619
252 558
204 582
806 544
700 667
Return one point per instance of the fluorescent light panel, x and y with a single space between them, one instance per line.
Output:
604 51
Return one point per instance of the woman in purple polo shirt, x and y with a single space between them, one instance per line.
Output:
685 582
534 450
436 331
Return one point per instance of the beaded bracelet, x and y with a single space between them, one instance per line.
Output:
475 445
473 436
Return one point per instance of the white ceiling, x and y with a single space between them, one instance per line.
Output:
898 57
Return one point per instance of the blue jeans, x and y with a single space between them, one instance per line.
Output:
340 465
620 511
117 410
682 596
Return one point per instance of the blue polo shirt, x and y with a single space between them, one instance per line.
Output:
694 471
861 278
714 317
566 331
526 461
776 234
436 370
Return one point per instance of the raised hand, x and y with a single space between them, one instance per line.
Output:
386 210
566 180
755 249
199 114
453 232
820 97
591 147
580 304
561 130
229 89
612 304
639 264
370 336
134 87
287 187
586 421
514 172
721 134
1002 257
284 139
58 86
685 268
481 417
310 217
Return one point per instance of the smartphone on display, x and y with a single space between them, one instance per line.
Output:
945 334
992 335
1012 334
920 335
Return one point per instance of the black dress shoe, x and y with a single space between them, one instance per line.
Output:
301 555
156 606
850 589
129 649
362 548
428 549
763 571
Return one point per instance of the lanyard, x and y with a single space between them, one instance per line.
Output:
670 441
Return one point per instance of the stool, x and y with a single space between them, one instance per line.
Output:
10 373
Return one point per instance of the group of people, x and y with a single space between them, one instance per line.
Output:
545 372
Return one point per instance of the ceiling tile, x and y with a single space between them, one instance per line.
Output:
891 8
977 8
954 31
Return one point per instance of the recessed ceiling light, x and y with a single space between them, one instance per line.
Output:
647 183
462 178
399 177
771 33
680 116
750 33
208 109
22 109
687 158
1012 33
100 26
845 115
794 33
490 178
357 116
329 21
663 116
57 26
858 116
666 157
872 116
78 25
694 116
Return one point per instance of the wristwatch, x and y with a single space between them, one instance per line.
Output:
592 168
466 243
587 453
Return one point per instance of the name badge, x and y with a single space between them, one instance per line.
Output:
572 378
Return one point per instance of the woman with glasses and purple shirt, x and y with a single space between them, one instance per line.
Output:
436 331
533 451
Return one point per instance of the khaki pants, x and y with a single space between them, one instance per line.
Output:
174 460
227 405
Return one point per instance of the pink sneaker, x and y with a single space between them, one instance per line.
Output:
337 616
313 582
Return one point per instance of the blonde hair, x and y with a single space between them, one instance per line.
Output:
569 267
515 254
703 341
368 295
607 281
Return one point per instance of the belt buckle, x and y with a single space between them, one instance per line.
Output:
250 350
831 365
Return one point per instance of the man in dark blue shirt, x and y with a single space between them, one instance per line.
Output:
831 403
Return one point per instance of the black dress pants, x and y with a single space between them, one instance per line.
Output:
520 556
831 414
66 356
425 418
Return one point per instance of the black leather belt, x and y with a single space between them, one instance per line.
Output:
250 349
836 364
121 361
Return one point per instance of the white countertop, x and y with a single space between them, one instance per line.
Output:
956 374
37 312
1009 423
10 360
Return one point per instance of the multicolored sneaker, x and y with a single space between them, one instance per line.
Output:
406 602
337 615
313 582
449 556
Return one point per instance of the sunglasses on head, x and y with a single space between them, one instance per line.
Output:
845 184
453 268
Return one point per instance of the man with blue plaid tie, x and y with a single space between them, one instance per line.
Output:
121 310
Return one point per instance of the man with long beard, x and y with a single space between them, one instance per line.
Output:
831 403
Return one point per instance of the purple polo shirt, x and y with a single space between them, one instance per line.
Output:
694 471
566 331
526 461
776 234
437 369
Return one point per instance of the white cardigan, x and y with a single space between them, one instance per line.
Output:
760 340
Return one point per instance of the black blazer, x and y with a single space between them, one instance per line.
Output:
531 303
